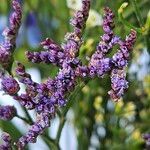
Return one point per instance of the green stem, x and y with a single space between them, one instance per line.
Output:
66 109
59 113
71 97
27 115
130 10
128 24
141 22
121 18
24 119
47 142
137 12
61 125
50 142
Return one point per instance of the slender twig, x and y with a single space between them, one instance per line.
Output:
23 119
27 115
72 96
130 10
141 22
61 125
66 109
50 142
126 23
129 25
48 138
47 142
137 12
59 113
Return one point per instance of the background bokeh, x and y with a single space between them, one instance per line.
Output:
94 121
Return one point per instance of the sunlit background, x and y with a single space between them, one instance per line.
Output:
94 122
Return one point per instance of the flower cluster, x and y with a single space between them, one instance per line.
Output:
10 35
7 142
52 53
7 112
43 121
10 85
119 60
100 64
45 98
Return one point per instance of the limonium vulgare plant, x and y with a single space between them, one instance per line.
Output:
48 97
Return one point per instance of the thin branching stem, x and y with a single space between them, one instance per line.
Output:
23 119
27 115
66 109
137 12
141 22
50 142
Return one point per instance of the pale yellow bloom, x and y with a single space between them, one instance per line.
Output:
99 117
97 102
119 106
95 19
74 4
147 85
136 135
86 89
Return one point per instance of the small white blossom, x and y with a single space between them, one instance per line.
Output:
95 19
74 4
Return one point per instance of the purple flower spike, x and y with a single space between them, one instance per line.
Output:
37 128
24 76
7 112
130 39
10 85
121 57
10 35
120 60
7 142
79 20
52 54
99 65
118 84
26 99
108 23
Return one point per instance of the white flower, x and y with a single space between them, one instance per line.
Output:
95 19
74 4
